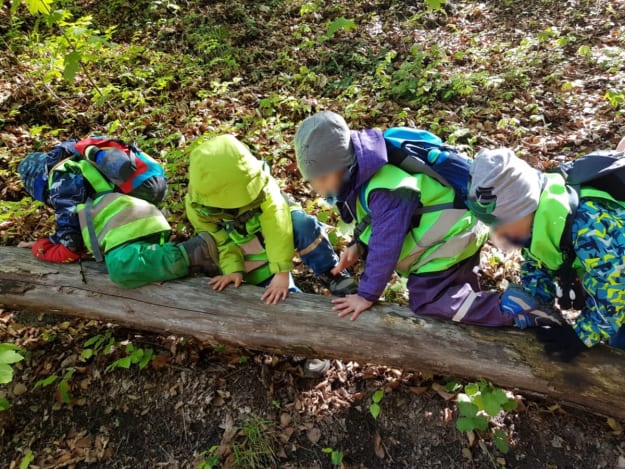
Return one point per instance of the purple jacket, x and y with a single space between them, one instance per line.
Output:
391 213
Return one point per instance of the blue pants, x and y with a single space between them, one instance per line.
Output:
312 243
313 246
618 340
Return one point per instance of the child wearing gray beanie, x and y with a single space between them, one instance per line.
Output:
573 241
404 223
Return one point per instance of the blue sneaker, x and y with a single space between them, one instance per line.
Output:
528 311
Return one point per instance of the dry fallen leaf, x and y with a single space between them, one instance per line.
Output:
19 389
313 435
377 446
442 391
616 427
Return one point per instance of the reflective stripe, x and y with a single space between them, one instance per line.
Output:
93 237
118 219
442 236
466 305
312 246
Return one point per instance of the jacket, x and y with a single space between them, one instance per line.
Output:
227 184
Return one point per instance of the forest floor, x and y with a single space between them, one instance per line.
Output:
545 77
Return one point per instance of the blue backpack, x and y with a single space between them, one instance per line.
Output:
418 151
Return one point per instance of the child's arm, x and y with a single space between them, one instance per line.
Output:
537 281
599 241
391 218
230 255
277 229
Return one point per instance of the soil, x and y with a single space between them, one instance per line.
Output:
193 398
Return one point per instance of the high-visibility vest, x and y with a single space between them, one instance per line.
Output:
550 220
113 219
442 238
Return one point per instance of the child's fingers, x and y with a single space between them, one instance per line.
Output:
355 315
346 312
237 282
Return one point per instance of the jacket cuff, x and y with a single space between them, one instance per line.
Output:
233 268
368 296
276 267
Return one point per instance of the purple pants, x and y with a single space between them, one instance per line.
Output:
454 294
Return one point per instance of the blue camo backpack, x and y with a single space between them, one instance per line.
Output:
418 151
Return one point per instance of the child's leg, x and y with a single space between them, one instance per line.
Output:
136 264
312 243
455 295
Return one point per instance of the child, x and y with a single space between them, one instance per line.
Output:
126 232
438 250
530 209
62 178
234 198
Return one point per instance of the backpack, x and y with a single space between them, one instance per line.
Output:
602 170
418 151
131 170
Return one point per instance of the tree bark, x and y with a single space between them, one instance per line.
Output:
305 325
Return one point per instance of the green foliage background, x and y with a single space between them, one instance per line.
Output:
167 72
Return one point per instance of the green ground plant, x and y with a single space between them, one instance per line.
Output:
376 399
255 448
209 459
336 456
10 354
478 406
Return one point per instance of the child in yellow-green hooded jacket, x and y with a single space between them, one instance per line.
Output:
257 229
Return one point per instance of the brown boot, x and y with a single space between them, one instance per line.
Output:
203 254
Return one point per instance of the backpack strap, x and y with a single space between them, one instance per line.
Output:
93 238
569 290
239 222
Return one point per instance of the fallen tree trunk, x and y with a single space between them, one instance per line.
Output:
304 325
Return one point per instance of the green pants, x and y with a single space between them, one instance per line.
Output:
136 264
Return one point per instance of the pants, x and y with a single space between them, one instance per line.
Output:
454 294
618 340
312 243
136 264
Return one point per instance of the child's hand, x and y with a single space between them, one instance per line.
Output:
222 281
277 290
351 304
348 258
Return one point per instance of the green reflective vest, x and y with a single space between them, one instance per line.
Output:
118 219
442 239
550 221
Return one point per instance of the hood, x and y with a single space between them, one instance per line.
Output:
224 174
370 149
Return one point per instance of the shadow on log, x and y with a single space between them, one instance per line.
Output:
304 325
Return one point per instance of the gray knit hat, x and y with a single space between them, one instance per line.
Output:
323 144
503 188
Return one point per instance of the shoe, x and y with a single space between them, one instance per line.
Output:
527 311
203 254
315 368
341 284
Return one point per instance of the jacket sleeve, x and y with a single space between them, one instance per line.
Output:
277 229
230 255
538 281
67 191
391 216
599 242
